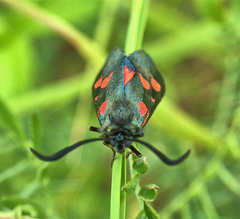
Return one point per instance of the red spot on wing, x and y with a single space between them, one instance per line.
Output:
144 82
145 120
106 80
103 107
156 86
98 83
127 74
96 98
152 99
142 108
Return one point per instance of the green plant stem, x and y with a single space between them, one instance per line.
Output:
136 25
116 187
123 182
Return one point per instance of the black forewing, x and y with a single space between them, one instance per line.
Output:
101 94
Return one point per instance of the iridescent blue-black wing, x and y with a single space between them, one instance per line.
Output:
147 84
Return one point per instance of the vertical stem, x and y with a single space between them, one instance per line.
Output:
123 182
136 25
116 187
134 39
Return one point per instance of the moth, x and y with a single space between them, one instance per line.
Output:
125 93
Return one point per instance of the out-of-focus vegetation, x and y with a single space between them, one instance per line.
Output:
50 53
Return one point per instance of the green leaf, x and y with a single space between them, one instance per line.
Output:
148 192
141 215
140 165
130 187
150 212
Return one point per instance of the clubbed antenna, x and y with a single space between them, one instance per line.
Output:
64 151
162 156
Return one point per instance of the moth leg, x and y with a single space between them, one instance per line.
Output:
114 153
140 134
94 129
128 153
134 151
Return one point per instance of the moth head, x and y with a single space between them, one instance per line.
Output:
120 142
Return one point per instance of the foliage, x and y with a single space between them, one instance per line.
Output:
50 53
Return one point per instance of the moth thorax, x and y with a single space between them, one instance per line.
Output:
120 142
122 113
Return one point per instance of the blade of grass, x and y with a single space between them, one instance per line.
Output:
13 171
123 182
228 179
11 148
10 121
115 187
207 204
51 94
136 25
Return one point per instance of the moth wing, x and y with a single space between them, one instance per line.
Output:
152 86
101 84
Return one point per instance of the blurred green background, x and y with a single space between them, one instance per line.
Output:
50 54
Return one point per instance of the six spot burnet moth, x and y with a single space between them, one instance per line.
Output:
125 93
